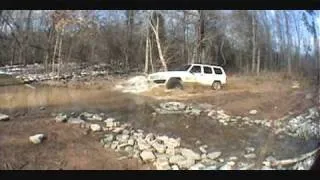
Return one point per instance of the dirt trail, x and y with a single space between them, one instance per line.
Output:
66 147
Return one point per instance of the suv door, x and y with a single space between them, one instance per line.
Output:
196 71
219 75
207 76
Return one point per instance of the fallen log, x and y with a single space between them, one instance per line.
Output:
294 160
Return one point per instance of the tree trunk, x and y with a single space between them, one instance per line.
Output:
200 53
156 33
54 51
288 43
185 52
253 44
258 62
222 55
47 53
151 58
147 54
59 54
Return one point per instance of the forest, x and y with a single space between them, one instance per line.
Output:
242 41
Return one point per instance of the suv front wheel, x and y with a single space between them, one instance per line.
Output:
216 85
174 83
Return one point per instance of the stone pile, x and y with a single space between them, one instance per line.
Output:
166 153
306 125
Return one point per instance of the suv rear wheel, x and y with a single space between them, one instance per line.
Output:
216 85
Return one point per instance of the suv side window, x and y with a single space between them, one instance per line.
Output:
207 70
217 70
195 69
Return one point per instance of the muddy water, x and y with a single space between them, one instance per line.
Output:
22 100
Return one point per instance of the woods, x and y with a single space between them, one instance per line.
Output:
245 41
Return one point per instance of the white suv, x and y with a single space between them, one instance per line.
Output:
204 74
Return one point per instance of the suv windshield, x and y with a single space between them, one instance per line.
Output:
183 68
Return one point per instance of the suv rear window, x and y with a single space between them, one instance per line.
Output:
217 70
207 70
196 69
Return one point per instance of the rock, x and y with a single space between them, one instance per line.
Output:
122 137
37 139
253 112
117 129
125 132
108 138
198 142
171 151
212 113
129 149
108 120
250 149
160 148
114 144
266 163
107 146
150 137
95 117
202 149
271 159
186 163
174 167
142 145
295 85
162 164
208 162
131 142
203 156
250 156
122 146
227 166
95 127
75 121
213 167
42 108
233 158
162 139
147 156
85 116
172 143
221 160
246 119
189 154
176 158
140 131
214 155
193 111
266 168
4 117
138 135
197 166
172 106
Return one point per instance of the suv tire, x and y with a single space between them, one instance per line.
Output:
216 85
174 83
